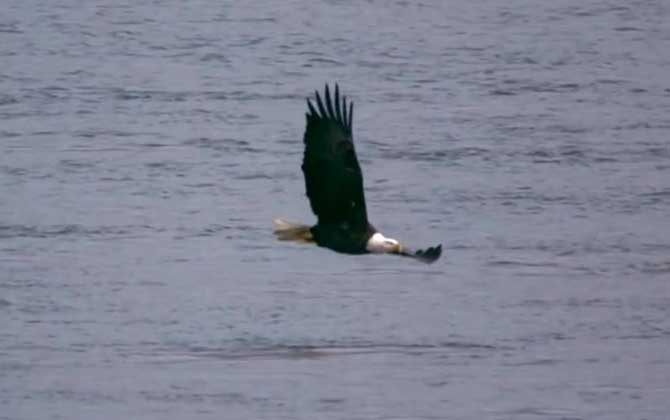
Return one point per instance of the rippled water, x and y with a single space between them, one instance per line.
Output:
146 147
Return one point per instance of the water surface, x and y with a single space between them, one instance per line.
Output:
146 147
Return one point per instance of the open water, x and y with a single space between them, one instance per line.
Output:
145 147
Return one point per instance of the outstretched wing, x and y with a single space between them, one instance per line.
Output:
333 177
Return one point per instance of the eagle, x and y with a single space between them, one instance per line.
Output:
334 187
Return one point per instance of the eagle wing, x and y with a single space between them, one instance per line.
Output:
333 177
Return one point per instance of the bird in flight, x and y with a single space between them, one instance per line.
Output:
334 184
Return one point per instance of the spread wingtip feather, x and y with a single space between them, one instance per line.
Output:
331 105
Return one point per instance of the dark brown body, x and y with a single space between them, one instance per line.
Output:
341 238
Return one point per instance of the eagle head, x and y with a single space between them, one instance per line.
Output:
380 244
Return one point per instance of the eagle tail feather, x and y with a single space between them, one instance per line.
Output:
286 231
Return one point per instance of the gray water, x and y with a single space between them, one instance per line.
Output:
146 147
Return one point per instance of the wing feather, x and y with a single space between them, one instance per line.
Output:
333 177
311 108
338 110
329 105
319 104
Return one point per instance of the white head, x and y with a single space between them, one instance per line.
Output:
380 244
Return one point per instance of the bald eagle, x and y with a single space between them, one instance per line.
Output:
334 184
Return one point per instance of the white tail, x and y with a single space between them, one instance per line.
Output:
285 231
